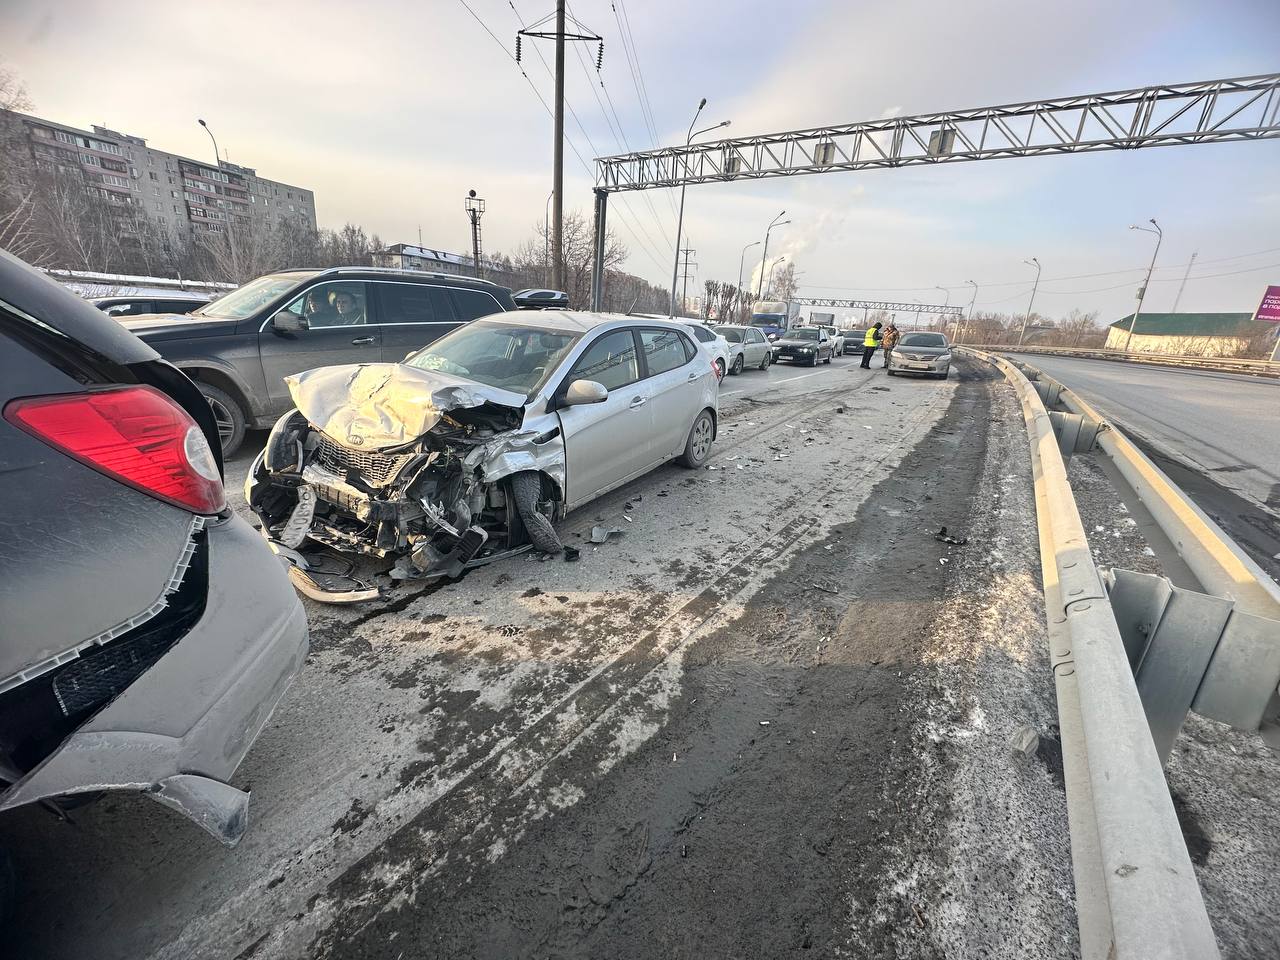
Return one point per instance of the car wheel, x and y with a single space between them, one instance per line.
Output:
737 365
698 447
720 367
228 415
813 361
526 488
829 356
768 359
889 373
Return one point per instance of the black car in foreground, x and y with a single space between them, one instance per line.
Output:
146 631
239 348
807 345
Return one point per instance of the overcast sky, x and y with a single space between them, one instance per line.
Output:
392 110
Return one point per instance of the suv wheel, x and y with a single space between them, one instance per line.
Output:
229 416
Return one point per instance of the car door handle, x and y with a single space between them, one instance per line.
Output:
694 376
364 339
637 402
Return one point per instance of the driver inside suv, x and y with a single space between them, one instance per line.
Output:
349 307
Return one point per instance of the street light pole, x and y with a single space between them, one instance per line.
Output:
771 269
764 257
546 239
1033 262
1142 292
675 267
217 160
972 301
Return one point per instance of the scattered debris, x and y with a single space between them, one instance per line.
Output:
765 723
602 534
1026 741
919 916
684 850
571 554
886 389
867 426
943 560
824 589
628 519
839 409
943 537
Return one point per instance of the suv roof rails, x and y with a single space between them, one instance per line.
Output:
397 271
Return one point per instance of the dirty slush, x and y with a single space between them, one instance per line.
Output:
782 806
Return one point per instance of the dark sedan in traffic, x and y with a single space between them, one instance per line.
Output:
807 345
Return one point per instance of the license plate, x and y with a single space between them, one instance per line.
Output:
913 365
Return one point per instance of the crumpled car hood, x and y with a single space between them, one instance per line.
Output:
376 406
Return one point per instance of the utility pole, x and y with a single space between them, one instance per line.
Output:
475 210
1182 286
972 300
557 159
217 160
1142 290
1033 262
680 217
687 252
764 256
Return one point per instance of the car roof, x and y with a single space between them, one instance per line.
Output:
737 326
56 308
380 273
578 321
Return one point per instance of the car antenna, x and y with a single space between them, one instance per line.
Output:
633 304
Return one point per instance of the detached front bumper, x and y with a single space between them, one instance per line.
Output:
181 729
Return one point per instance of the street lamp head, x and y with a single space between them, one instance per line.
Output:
201 122
702 103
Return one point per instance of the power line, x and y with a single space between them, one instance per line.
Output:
532 86
649 250
617 131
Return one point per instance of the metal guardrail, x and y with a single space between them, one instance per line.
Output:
1136 892
1260 368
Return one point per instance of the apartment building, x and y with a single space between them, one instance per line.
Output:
188 198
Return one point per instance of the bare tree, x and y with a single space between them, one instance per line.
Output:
784 282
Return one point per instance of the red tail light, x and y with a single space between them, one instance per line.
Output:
716 370
136 435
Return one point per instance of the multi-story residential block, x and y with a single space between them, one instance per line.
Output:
186 197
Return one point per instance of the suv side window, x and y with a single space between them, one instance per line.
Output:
407 303
473 303
337 303
133 308
663 350
611 360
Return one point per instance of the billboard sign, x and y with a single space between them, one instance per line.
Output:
1269 309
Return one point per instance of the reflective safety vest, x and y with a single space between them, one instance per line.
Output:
872 339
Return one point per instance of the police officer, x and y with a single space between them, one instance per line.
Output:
869 344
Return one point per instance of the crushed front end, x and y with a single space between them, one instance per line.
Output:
347 471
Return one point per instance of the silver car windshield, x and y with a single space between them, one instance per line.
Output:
512 356
250 298
922 340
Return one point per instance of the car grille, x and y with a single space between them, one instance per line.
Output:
376 469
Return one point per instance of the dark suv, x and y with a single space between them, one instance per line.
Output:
239 348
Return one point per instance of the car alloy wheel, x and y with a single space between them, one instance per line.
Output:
737 365
701 438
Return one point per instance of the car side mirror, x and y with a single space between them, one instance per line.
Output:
286 322
585 391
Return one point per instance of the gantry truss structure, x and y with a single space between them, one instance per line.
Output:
1243 108
1212 111
888 306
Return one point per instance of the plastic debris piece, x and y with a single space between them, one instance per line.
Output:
765 723
824 589
602 534
571 554
943 537
943 560
1026 741
628 519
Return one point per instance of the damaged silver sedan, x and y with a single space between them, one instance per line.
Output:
472 448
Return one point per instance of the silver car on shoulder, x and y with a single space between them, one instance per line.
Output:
748 347
474 446
921 352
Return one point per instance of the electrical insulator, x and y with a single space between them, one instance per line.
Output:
600 56
517 48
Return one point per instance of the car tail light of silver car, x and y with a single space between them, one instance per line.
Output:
715 369
133 434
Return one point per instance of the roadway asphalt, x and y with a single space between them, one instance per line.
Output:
771 719
1225 425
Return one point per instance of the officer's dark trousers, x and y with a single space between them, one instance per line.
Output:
866 357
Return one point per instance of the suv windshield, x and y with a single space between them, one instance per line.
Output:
803 333
254 295
922 340
730 334
514 357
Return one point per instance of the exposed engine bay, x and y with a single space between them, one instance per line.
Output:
429 472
